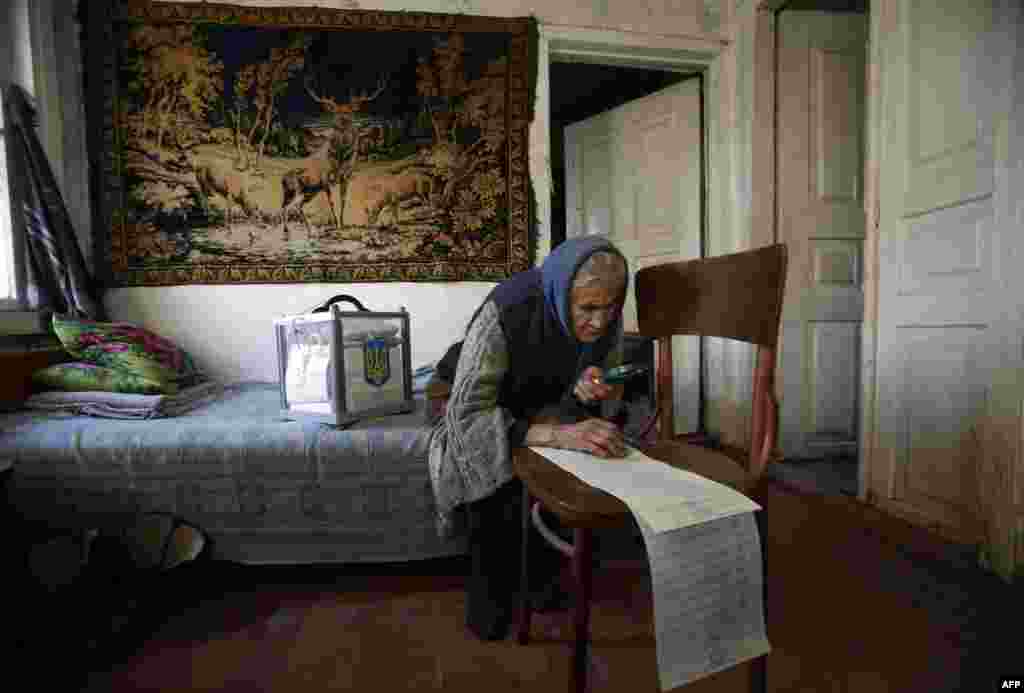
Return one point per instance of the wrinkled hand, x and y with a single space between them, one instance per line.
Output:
591 386
596 436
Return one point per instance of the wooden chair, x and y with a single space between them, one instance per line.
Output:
737 296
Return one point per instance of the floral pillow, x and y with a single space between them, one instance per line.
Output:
129 349
79 376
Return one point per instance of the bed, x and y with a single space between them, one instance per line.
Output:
266 490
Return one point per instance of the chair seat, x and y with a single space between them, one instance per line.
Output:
578 504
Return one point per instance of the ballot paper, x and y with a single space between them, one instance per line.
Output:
705 558
663 496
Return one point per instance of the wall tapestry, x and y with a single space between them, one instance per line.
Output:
255 144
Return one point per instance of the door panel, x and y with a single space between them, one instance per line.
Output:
948 251
821 219
597 175
633 174
835 360
949 160
837 144
944 310
942 397
588 176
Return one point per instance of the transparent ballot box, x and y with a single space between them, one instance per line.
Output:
375 377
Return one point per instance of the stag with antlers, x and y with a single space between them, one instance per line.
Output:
318 172
346 115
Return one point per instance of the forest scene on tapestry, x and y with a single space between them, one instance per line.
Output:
314 154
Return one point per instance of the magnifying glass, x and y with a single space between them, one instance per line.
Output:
620 374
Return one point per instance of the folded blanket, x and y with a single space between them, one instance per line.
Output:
119 405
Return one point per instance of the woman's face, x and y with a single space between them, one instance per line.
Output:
594 308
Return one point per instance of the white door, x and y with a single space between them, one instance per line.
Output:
821 69
949 287
633 174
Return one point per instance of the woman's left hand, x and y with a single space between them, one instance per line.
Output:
591 386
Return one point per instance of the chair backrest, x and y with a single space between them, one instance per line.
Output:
737 296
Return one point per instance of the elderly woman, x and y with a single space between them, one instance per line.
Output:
529 372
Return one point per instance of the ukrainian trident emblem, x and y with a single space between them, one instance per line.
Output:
377 360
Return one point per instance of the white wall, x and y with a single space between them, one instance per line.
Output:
733 225
229 328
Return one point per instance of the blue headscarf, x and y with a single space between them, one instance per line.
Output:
559 269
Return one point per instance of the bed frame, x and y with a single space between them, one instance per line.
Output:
17 367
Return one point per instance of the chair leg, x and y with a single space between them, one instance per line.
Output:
582 570
759 675
759 667
525 610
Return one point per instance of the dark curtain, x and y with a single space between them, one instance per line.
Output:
56 278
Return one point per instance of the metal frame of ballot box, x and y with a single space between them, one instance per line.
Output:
326 333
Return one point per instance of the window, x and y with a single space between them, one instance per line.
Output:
7 286
39 51
17 64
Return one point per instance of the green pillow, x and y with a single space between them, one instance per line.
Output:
129 349
78 376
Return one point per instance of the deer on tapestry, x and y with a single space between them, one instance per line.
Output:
403 189
319 171
220 178
314 174
349 121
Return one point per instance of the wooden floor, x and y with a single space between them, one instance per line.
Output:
858 604
832 475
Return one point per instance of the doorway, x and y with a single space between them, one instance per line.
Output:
627 163
822 130
579 91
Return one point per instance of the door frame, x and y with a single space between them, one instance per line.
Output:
738 79
579 46
621 49
695 423
869 260
869 324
